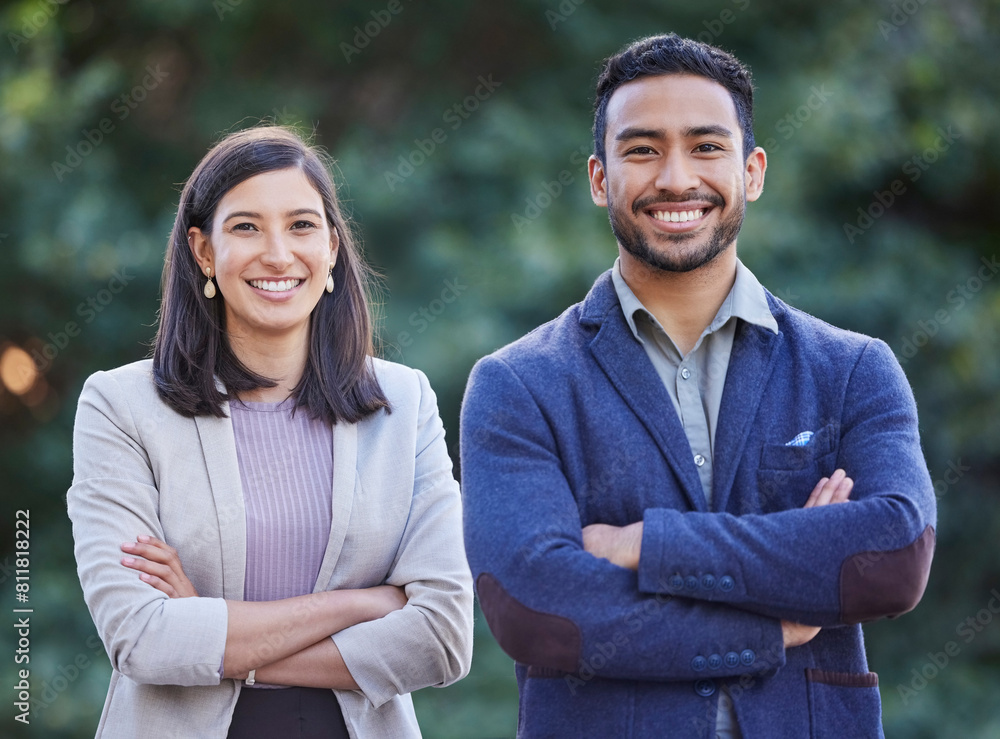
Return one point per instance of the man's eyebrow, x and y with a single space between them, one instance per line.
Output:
712 130
628 134
691 132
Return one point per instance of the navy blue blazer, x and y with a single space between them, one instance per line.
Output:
571 426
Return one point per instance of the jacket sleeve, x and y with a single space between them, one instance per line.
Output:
866 559
148 637
429 641
551 604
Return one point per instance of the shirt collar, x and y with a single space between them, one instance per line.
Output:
747 300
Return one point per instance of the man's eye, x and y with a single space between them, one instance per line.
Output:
706 148
641 150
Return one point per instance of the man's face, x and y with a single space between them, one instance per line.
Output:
674 179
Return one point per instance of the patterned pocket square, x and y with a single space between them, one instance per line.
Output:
801 439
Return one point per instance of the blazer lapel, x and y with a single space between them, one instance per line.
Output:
625 363
750 365
345 459
218 443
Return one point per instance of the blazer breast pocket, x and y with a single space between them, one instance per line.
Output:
787 474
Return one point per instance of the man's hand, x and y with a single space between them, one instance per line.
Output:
828 491
620 545
831 490
796 635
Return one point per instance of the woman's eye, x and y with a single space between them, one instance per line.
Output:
303 224
244 227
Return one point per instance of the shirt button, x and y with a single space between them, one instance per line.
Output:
704 688
707 582
699 460
691 582
685 373
732 659
747 657
726 583
714 661
676 582
699 663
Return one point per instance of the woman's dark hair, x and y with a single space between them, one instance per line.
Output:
671 54
192 350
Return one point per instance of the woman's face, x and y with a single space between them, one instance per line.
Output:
270 251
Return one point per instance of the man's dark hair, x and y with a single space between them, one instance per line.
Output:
192 353
671 54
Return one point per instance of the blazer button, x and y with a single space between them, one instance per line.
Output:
726 583
748 657
708 582
699 663
704 688
676 582
714 661
691 582
732 659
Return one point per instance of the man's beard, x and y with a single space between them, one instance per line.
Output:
634 241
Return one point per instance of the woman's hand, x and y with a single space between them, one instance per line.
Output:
158 565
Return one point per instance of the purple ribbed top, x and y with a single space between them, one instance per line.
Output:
286 466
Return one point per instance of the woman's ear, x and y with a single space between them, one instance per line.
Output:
334 246
201 249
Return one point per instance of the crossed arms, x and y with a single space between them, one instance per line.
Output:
541 584
411 631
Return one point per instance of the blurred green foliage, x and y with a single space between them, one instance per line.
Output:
106 107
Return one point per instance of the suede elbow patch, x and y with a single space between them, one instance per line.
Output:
879 584
526 635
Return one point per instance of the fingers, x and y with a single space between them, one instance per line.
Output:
834 489
152 573
152 549
796 634
158 565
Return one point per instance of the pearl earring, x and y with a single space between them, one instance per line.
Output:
209 285
329 280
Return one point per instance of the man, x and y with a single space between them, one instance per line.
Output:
658 484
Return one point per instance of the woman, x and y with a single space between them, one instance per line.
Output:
286 499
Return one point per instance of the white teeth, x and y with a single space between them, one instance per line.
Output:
275 287
678 216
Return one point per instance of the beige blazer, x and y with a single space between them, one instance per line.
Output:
140 467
